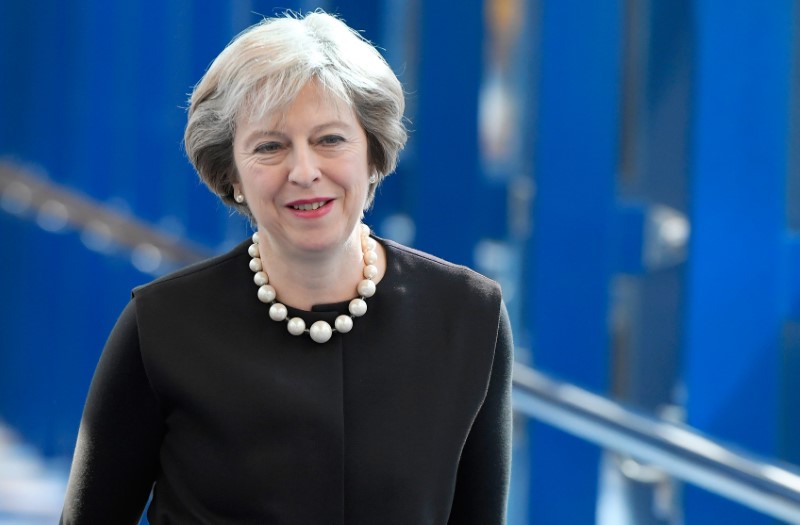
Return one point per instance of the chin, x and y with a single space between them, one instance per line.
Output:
319 243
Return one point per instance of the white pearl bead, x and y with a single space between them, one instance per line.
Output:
364 230
344 323
358 307
261 278
255 238
368 244
278 312
370 271
296 326
253 251
366 288
255 264
370 257
266 293
320 331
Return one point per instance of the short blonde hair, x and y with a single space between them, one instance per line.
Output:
264 68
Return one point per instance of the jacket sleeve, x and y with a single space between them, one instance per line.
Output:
485 467
116 456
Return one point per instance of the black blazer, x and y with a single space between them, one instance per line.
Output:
228 418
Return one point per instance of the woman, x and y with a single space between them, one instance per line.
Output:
318 374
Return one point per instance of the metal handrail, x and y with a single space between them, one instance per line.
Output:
26 191
677 450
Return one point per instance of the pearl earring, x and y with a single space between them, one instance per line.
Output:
239 198
373 179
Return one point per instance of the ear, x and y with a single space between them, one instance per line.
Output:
237 188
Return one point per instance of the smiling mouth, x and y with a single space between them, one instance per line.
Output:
309 206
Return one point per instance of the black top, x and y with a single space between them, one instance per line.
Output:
228 418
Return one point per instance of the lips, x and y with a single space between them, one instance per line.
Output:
310 207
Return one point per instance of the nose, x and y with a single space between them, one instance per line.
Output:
303 170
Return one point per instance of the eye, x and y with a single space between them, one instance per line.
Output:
331 140
268 147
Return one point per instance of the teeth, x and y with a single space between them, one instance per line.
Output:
308 207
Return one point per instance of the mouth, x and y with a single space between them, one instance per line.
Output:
308 205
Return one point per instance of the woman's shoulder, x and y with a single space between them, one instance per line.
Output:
429 270
205 272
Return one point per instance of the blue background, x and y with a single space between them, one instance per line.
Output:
626 169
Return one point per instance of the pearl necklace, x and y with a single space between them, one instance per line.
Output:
320 331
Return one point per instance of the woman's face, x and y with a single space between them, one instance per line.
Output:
304 173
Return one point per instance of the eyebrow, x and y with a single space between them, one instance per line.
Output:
266 133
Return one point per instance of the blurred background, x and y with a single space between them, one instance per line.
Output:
628 170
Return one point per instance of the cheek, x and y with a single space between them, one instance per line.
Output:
259 178
359 187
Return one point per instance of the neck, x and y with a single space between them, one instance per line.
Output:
307 279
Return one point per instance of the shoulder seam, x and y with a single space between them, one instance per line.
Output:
427 256
188 271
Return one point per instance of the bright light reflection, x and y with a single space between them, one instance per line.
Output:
781 476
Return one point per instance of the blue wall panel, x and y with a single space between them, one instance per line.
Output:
570 260
733 315
447 203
